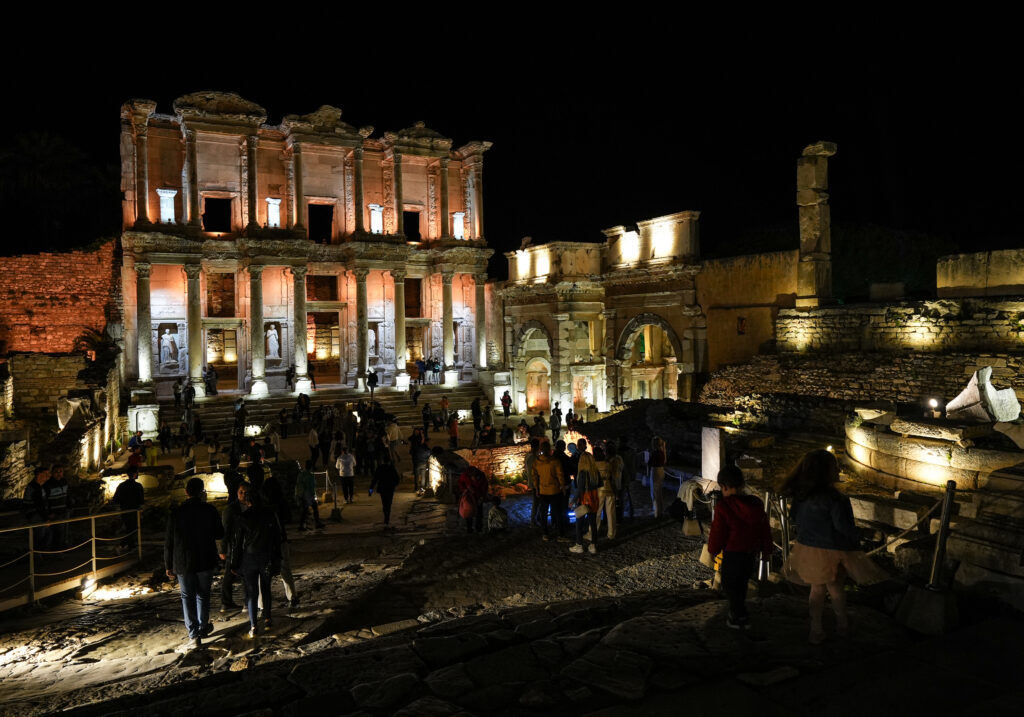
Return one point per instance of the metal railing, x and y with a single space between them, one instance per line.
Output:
59 576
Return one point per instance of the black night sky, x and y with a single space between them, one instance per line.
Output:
928 148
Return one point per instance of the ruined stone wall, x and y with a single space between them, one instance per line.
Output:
962 325
6 395
40 379
741 297
811 390
495 324
47 300
497 461
987 273
14 471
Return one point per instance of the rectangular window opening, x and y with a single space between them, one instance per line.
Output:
321 288
216 214
412 225
413 298
321 223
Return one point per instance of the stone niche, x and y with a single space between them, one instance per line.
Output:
170 348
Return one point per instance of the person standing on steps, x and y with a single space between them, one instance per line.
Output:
385 481
506 404
190 555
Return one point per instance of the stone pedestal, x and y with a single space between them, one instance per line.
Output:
451 378
144 417
712 453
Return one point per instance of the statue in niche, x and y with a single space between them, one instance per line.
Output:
273 343
168 347
371 342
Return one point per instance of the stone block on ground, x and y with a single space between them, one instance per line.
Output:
385 694
513 664
618 672
444 650
450 681
323 675
428 707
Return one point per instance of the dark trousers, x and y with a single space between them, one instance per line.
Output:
736 571
348 487
306 506
476 521
385 501
314 453
256 573
557 504
587 522
227 585
195 600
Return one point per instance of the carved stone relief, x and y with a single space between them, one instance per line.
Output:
389 198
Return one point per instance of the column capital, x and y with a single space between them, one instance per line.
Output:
357 152
480 279
298 272
188 134
444 162
192 271
396 157
360 274
609 313
142 268
448 277
255 270
253 141
398 274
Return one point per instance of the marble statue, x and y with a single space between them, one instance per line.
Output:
168 347
273 344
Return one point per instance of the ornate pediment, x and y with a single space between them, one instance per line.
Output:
215 105
419 136
325 121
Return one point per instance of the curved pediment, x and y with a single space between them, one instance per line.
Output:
221 105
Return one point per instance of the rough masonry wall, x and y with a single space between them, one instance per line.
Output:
497 461
40 379
47 300
926 326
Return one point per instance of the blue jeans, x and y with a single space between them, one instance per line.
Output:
256 574
195 600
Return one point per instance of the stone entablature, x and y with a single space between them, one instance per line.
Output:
217 145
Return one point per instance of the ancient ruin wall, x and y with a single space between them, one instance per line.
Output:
962 325
987 273
40 379
47 300
741 297
497 461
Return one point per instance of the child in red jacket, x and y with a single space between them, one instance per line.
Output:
741 530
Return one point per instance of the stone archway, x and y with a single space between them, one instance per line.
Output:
650 373
528 354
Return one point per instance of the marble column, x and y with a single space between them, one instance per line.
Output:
446 221
478 199
252 143
301 357
481 321
447 322
192 172
510 337
256 334
399 277
362 327
399 204
358 189
195 330
300 199
141 172
145 328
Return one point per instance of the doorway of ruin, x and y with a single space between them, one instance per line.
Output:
323 345
222 351
538 385
648 350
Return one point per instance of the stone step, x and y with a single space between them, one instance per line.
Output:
988 545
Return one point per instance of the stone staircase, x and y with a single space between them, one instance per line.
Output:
217 412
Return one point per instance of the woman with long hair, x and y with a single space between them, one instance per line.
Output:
827 545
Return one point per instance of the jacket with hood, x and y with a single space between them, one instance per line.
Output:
740 526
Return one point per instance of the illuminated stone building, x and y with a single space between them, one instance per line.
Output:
600 324
253 247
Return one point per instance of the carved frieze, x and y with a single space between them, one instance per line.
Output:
350 203
388 169
433 224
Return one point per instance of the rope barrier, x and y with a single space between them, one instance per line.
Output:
61 572
20 557
118 537
65 550
115 557
23 580
913 527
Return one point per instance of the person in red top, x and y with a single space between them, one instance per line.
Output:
740 529
474 487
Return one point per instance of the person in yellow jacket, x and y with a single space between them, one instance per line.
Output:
549 483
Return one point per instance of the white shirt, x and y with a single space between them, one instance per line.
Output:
346 464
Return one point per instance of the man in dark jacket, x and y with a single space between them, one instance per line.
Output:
231 517
385 480
190 554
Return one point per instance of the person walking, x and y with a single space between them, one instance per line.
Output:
740 531
59 502
130 495
506 404
428 418
550 485
231 522
385 480
190 555
273 494
305 495
346 466
827 545
256 556
314 447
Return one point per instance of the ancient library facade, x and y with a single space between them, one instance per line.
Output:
311 245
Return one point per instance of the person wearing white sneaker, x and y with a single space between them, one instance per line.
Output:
585 497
